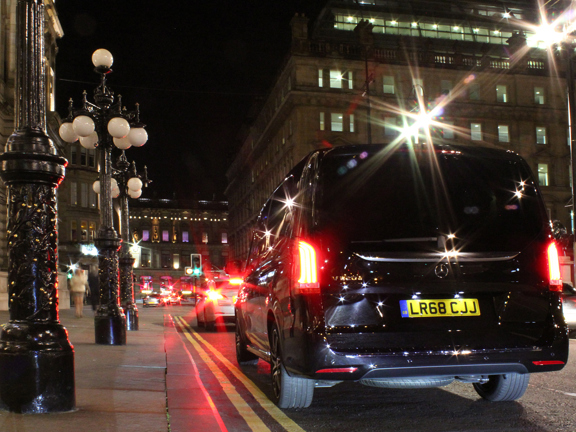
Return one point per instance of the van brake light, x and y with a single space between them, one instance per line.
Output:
308 280
554 268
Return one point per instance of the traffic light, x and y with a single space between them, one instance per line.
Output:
188 271
196 260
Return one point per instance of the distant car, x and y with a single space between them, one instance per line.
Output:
154 300
569 307
216 303
175 299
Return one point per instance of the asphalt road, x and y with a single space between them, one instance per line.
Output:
240 395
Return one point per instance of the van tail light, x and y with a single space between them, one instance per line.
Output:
306 269
554 268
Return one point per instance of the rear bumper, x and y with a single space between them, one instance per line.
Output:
323 363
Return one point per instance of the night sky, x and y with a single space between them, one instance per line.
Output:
195 68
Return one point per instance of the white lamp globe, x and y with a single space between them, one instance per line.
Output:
122 143
67 132
83 125
113 183
90 141
102 57
138 136
118 127
134 193
134 184
96 186
115 192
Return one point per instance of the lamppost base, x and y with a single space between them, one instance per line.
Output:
110 327
131 312
36 369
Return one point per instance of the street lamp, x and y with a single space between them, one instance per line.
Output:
129 185
105 125
36 357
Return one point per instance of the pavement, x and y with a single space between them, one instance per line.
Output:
126 388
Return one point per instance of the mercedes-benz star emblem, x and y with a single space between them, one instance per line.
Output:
442 270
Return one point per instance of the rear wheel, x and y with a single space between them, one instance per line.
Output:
289 391
507 387
243 356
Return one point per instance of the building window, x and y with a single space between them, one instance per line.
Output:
144 257
448 130
83 157
145 235
175 261
503 134
322 121
320 78
390 128
501 93
224 238
92 158
445 87
84 231
418 84
83 194
185 259
92 231
543 174
539 95
165 235
336 122
540 135
474 91
165 259
389 85
73 154
73 231
475 131
352 123
74 193
205 237
185 237
335 79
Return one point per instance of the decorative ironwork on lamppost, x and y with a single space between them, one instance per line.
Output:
104 124
129 185
36 357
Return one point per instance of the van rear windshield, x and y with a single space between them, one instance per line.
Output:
401 200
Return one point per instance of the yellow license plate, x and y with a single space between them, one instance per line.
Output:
439 308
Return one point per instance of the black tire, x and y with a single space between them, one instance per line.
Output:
243 356
289 391
507 387
200 323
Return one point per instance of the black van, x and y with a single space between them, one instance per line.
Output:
403 268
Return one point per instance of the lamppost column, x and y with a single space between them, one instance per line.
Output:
109 321
36 357
568 51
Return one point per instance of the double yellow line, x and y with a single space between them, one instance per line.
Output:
251 418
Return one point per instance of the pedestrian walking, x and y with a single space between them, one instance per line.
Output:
78 285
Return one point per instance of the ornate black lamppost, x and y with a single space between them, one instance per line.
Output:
104 124
36 357
129 184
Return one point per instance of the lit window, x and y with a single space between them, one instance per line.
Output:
176 261
540 135
418 84
448 130
501 93
320 78
205 237
445 87
389 85
185 237
351 122
543 174
84 231
224 237
145 235
336 122
92 231
475 131
539 95
322 125
335 79
503 134
165 235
